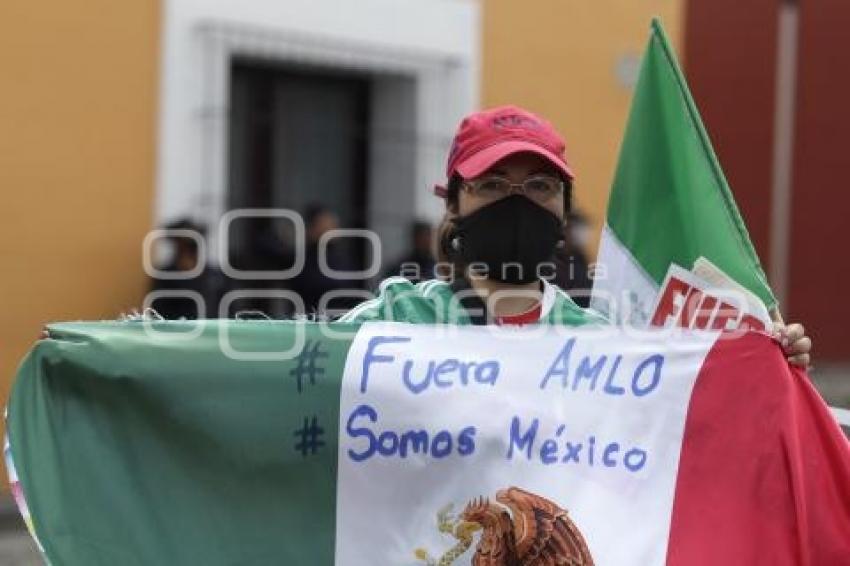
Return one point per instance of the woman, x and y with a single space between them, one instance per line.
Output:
507 197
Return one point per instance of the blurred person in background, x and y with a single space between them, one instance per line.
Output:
269 249
418 264
184 256
311 283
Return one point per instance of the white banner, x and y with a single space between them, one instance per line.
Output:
591 421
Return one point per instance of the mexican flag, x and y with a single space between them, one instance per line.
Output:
258 442
674 248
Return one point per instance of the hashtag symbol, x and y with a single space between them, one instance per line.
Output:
307 365
309 437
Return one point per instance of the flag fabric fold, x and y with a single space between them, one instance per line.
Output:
764 468
307 443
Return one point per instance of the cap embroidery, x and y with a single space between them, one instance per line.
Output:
515 121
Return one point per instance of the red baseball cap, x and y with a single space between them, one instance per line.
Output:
486 137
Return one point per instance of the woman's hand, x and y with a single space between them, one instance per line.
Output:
795 343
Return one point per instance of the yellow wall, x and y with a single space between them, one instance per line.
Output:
558 58
78 84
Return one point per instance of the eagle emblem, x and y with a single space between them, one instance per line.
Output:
520 529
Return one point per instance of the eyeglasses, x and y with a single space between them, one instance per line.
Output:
540 188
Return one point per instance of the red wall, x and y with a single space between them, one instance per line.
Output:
730 64
820 230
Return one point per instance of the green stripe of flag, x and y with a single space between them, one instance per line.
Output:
161 433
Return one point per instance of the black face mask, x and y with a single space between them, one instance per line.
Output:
511 237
